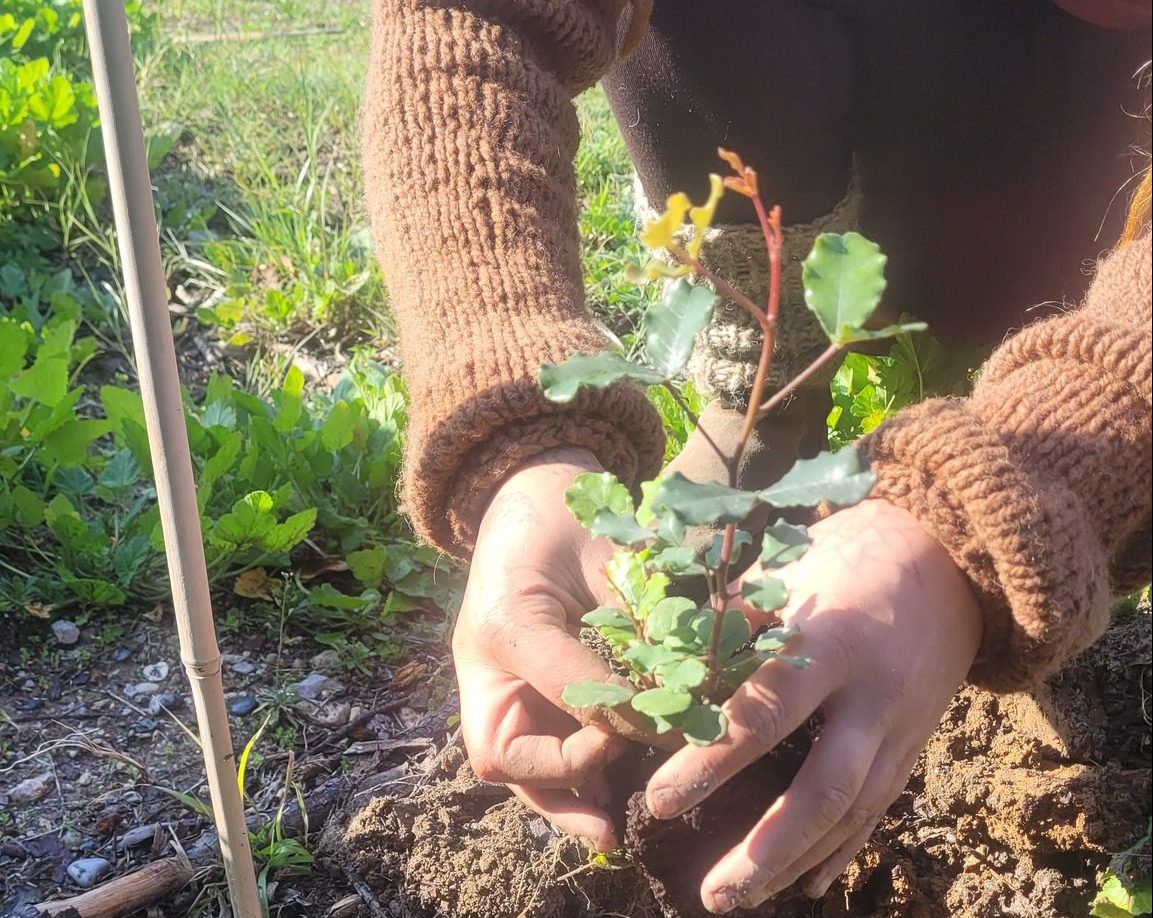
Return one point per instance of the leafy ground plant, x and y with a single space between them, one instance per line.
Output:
682 660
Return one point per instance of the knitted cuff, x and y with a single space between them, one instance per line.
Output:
1037 571
455 468
724 362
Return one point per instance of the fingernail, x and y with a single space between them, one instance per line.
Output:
661 802
723 901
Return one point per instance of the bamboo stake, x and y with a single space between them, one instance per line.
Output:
147 296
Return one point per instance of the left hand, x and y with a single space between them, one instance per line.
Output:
891 627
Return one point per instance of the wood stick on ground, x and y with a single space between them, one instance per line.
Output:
133 891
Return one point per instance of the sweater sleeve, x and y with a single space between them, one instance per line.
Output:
469 135
1038 485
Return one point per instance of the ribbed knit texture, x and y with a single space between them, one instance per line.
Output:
1039 484
469 135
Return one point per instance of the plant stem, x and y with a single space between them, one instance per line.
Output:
833 350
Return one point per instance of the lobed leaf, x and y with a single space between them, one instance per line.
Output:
703 724
784 543
661 702
841 478
561 382
595 694
675 322
766 595
592 492
844 277
698 504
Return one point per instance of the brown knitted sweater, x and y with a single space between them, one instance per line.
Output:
1039 485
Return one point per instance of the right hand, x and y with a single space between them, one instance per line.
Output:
534 573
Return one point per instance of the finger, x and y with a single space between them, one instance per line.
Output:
572 815
548 658
827 786
552 761
829 862
514 736
767 707
818 881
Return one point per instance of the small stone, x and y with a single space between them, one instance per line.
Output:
243 668
156 672
71 839
326 659
121 655
242 706
66 632
230 658
30 704
333 714
313 686
88 871
169 700
144 688
32 789
137 836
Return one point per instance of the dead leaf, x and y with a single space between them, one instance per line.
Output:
38 610
253 584
314 569
408 674
156 613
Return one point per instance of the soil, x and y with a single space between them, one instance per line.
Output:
1015 806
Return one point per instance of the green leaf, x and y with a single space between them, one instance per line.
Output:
741 538
669 615
645 658
768 595
673 325
336 432
626 575
621 528
367 565
45 382
329 597
562 382
604 617
773 640
98 592
854 335
684 675
595 694
1116 900
784 543
841 478
13 347
121 472
703 724
697 504
844 277
661 702
69 443
294 530
249 520
592 492
677 559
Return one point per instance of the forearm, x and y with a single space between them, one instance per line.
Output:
1039 484
469 139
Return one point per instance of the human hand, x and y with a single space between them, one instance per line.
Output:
891 627
534 573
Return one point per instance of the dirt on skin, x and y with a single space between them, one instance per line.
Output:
1015 806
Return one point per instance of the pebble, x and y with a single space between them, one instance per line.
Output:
242 706
32 789
333 714
121 655
88 871
137 836
66 632
169 700
142 688
326 659
156 672
243 668
313 686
